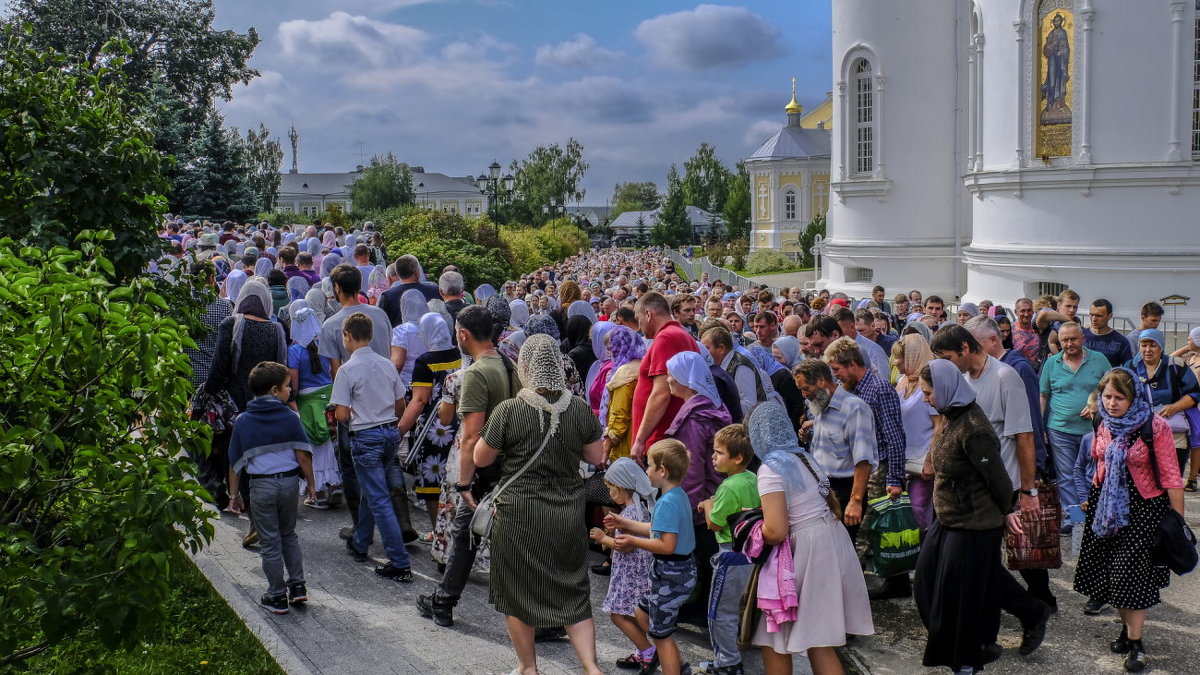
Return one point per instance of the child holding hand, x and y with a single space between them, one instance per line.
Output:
630 488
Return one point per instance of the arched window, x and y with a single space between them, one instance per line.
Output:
864 118
789 204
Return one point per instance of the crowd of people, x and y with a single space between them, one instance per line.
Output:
712 441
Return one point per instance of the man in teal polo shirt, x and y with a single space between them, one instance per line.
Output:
1067 379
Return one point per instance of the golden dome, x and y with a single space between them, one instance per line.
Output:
794 107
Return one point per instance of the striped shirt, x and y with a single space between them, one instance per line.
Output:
889 427
844 435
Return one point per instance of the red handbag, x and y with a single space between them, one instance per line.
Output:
1038 548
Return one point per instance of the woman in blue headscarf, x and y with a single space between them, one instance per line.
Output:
697 422
779 382
1130 494
1172 388
957 587
407 344
330 261
830 590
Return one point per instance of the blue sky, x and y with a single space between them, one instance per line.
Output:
453 84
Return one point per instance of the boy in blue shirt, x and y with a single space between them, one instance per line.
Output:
268 440
670 537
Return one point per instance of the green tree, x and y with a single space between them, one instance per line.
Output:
76 157
216 178
674 227
737 204
263 157
550 175
809 237
439 238
634 197
705 180
537 247
641 238
386 184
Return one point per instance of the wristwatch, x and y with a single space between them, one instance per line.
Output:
462 488
1032 492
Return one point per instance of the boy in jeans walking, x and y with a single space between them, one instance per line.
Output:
368 394
269 442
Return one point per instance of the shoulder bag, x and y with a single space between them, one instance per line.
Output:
1174 542
485 513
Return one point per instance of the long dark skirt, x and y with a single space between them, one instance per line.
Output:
957 593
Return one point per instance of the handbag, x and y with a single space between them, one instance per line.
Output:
748 611
1174 542
1038 548
830 499
485 513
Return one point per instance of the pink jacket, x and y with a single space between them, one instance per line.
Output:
776 580
1138 459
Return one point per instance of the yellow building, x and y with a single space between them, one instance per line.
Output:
789 178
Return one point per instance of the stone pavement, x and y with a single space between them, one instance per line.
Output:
356 622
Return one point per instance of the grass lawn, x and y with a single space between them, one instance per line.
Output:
201 635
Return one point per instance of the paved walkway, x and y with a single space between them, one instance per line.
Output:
356 622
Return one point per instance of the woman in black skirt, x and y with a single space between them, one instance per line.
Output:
957 577
1130 494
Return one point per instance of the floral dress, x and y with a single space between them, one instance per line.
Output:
432 439
630 576
450 499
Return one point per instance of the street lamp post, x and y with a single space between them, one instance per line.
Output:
492 186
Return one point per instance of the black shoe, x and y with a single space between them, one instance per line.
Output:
650 666
603 569
1094 606
358 556
893 587
297 593
410 536
1135 661
275 604
1121 644
549 634
1032 637
440 610
389 571
991 653
346 533
631 662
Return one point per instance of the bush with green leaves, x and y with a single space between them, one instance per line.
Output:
765 262
438 238
534 247
94 493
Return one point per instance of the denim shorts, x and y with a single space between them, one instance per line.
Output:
671 584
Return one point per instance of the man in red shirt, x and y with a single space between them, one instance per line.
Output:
653 406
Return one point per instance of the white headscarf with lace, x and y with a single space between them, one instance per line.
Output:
540 368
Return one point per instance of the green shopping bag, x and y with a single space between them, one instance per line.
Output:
894 535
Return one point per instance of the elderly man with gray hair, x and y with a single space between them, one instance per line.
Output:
451 286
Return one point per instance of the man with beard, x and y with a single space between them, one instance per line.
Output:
840 436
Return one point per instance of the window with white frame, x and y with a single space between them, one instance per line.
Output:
864 118
789 204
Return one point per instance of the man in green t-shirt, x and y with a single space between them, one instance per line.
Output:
489 382
738 492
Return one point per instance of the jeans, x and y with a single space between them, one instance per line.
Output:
274 502
724 603
1064 448
378 470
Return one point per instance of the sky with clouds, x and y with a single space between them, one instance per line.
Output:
454 84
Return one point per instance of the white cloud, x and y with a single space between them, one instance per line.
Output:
581 53
709 36
342 41
760 131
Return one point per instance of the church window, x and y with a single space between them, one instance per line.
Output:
864 120
862 275
789 204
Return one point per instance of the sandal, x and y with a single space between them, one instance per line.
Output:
427 538
1190 487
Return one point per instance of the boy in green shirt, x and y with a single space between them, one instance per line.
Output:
731 570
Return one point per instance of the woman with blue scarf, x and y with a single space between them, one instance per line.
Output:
1127 501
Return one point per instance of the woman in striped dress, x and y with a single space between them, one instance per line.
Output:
539 560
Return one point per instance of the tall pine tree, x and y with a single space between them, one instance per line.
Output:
676 228
214 181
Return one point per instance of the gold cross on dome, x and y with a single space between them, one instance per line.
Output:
793 87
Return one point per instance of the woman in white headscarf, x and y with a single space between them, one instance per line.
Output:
957 589
830 591
312 385
510 345
406 337
547 428
431 441
263 267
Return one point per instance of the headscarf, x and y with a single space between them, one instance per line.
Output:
377 282
542 324
950 388
413 306
316 300
254 300
329 262
919 328
1112 507
434 332
773 439
790 348
497 306
297 288
579 332
306 326
1152 334
764 360
483 292
519 311
598 331
540 368
970 308
690 370
329 240
916 353
351 240
234 283
1194 336
626 473
313 246
263 267
582 308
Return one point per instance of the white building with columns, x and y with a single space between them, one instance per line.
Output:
1006 148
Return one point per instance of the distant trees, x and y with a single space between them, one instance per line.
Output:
673 228
386 184
705 180
635 196
737 204
550 175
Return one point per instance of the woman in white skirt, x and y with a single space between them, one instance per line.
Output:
831 592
